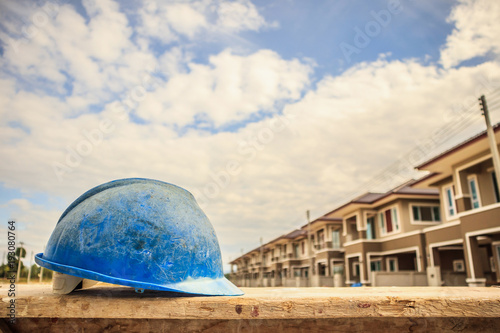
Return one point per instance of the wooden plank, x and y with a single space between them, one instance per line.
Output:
373 309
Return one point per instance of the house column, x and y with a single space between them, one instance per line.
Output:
436 258
475 274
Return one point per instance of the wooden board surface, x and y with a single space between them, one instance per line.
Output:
461 308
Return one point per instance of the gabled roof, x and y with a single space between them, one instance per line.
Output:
480 136
403 189
295 234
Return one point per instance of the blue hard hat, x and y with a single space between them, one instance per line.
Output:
141 233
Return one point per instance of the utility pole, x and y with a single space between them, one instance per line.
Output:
21 249
491 138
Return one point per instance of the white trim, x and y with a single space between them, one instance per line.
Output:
354 264
339 249
416 204
476 182
398 219
359 255
415 249
479 210
445 243
365 218
451 248
453 201
469 253
478 280
385 239
442 226
396 264
347 217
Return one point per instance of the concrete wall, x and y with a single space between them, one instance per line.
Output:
400 278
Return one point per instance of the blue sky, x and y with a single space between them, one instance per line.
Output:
261 109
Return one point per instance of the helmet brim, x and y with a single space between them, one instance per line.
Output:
202 286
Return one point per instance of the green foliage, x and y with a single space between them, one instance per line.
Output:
21 250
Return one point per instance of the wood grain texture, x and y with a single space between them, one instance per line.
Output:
107 308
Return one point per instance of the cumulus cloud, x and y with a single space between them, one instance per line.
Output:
229 88
477 27
34 223
170 21
239 15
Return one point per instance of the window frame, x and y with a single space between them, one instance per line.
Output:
337 232
370 227
388 265
420 222
473 178
354 271
447 203
373 261
395 220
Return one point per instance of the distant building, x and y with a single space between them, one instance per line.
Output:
465 249
443 229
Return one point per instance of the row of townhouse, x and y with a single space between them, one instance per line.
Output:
443 229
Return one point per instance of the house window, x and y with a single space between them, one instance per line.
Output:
284 250
321 269
303 245
336 239
370 228
458 265
338 269
426 213
449 197
474 192
376 265
355 269
495 186
389 220
392 264
296 250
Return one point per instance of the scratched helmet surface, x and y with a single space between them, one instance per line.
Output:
140 233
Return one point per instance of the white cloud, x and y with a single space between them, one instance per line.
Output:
239 15
168 21
477 27
34 224
230 88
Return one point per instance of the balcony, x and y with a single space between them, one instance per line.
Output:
327 246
